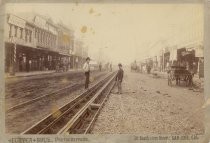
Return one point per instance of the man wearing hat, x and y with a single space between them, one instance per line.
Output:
119 78
86 68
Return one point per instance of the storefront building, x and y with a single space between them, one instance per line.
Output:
28 46
66 46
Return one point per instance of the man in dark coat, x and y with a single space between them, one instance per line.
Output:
119 78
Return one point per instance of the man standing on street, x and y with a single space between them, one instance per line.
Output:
86 68
119 78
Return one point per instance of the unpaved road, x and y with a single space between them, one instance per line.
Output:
149 105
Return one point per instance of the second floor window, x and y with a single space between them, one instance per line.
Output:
16 30
38 35
10 30
30 34
21 33
35 33
44 37
26 35
41 36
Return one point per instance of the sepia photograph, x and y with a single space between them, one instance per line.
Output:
104 68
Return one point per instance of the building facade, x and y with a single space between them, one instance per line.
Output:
189 56
29 46
66 45
35 43
81 53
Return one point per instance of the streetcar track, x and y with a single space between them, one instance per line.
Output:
61 91
54 93
85 118
15 89
52 123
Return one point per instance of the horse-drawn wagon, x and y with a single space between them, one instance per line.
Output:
177 74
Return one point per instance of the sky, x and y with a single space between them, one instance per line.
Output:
124 32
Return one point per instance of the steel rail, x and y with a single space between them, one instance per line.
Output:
44 126
81 114
88 129
42 97
53 93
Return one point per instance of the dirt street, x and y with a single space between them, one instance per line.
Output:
23 89
149 105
